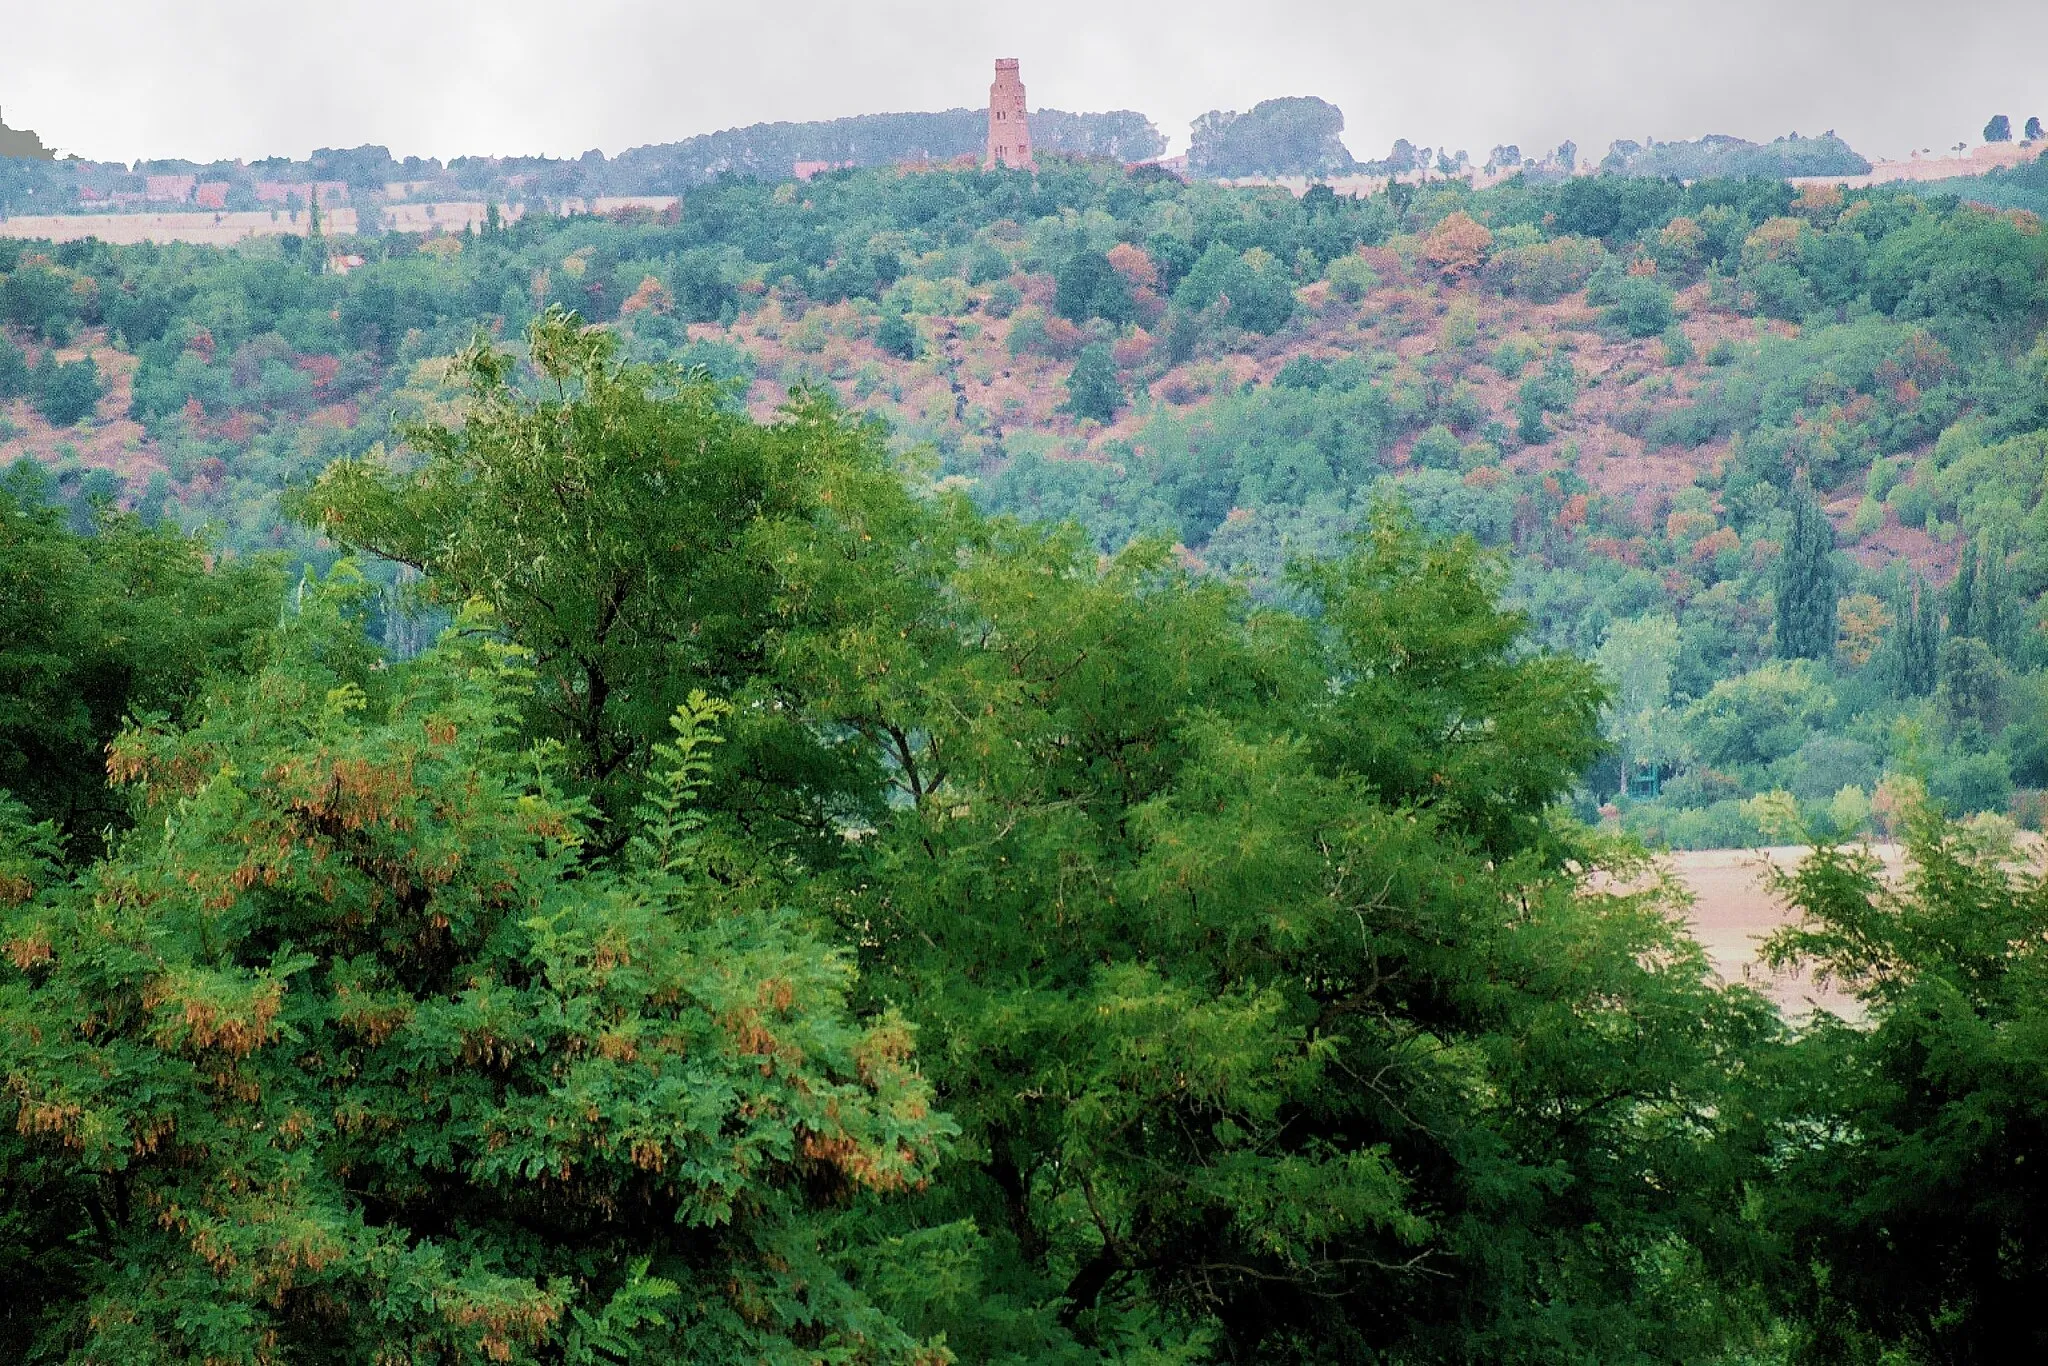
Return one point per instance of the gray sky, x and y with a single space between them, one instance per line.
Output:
121 79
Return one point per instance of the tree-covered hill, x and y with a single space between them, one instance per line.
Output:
1773 457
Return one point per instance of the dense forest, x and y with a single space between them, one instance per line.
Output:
951 766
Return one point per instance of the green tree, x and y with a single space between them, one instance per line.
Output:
1638 657
1087 286
645 538
1256 291
1641 307
1241 917
1971 688
1999 129
349 1054
96 628
65 392
15 374
1093 389
1963 593
1910 1203
1805 585
1916 640
897 335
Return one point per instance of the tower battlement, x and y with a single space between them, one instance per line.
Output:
1009 121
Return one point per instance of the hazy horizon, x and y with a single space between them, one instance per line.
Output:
117 80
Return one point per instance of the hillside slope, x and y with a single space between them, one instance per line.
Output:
1635 391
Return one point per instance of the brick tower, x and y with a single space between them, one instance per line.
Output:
1009 127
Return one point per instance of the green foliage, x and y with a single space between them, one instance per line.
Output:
1255 291
1805 585
344 1053
1093 389
1761 715
1086 286
1207 1032
1296 135
897 336
1641 306
65 392
644 539
94 629
1910 1206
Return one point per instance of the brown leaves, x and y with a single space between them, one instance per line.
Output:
1457 246
208 1010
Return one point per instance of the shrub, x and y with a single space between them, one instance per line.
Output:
1437 449
1678 348
14 371
65 393
1003 299
1544 273
898 336
1641 307
1912 503
1351 279
1260 294
1092 386
1968 783
1087 286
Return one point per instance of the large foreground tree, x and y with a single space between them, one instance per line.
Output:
347 1053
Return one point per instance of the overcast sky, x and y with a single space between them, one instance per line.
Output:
122 79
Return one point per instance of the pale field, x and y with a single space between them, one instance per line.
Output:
1734 911
202 228
222 229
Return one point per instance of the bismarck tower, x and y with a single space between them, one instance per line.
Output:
1009 127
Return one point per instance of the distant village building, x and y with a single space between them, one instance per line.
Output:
1009 126
211 195
22 142
169 189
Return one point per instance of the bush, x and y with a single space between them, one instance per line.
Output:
1641 307
1912 503
1087 286
1351 279
1003 299
14 372
1678 348
1092 387
1544 273
1303 372
66 393
1512 356
1968 783
1260 293
898 336
1437 449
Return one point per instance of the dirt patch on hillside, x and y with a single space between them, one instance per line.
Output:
109 440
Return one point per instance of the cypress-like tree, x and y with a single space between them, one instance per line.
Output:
1806 587
1962 594
1919 640
1993 612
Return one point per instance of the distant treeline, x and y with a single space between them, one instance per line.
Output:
762 151
767 151
1718 156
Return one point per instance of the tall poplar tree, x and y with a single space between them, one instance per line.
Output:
1806 584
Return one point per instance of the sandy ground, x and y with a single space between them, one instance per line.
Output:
1734 911
203 228
223 229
